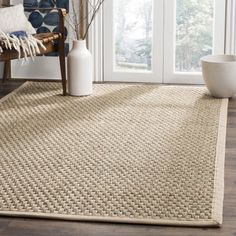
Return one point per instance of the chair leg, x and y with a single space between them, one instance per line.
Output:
6 71
62 64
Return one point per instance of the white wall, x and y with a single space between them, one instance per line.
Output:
231 27
40 68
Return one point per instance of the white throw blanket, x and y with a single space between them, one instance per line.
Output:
26 45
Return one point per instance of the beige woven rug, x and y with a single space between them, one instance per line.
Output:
128 153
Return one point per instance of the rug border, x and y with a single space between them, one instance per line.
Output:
15 91
218 194
125 220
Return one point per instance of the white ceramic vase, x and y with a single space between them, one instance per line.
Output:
219 73
80 70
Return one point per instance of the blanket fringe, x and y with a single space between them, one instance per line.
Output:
28 45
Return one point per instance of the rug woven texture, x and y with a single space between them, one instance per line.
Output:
128 153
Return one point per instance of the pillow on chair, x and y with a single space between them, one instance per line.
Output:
13 19
16 33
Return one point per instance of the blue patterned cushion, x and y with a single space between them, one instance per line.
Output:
45 21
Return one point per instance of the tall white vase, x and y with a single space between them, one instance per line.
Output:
80 70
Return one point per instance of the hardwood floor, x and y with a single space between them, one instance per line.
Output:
35 227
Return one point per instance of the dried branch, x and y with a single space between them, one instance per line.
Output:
75 22
97 8
79 19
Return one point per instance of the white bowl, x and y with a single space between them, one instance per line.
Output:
219 73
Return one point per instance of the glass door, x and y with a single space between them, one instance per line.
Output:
193 29
133 40
161 40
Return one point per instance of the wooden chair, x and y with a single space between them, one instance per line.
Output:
54 42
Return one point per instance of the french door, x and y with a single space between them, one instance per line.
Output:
161 41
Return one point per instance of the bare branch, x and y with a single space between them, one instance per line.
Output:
80 18
75 19
97 8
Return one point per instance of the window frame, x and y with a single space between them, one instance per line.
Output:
170 76
156 75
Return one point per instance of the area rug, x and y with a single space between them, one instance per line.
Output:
129 153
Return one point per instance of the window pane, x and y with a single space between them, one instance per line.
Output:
194 33
133 35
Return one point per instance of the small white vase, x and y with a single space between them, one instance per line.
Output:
80 70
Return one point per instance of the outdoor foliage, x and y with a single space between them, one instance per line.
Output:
194 33
133 33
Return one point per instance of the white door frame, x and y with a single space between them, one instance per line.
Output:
157 69
170 76
230 44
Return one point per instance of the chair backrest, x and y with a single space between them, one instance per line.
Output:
47 21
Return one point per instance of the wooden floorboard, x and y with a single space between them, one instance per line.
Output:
35 227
